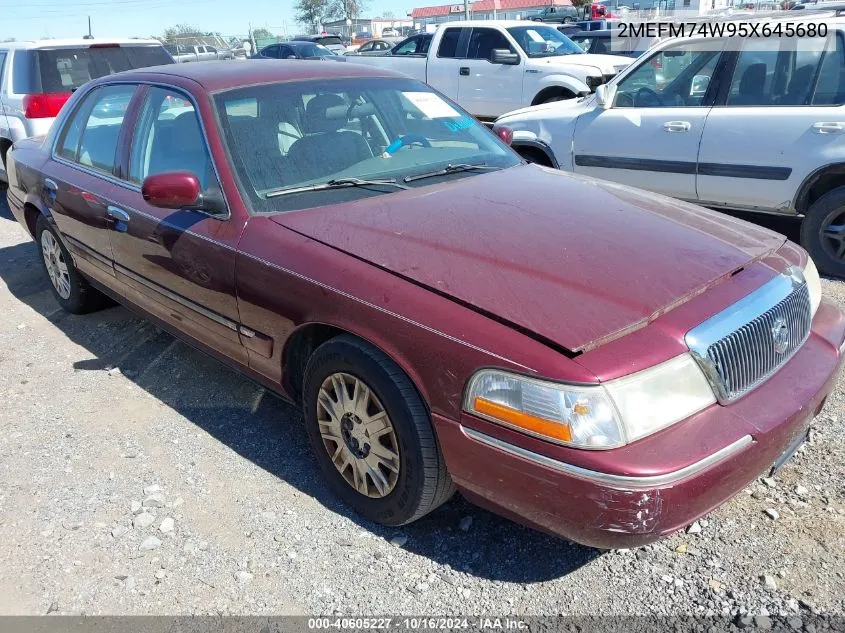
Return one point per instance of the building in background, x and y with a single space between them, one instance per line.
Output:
365 29
426 18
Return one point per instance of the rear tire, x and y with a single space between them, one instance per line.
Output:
69 288
823 232
371 434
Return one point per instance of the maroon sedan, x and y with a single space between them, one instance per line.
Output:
595 361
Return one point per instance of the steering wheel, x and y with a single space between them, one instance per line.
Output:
407 141
648 98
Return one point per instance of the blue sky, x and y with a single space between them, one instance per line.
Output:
31 19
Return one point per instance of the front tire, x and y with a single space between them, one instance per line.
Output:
823 232
69 288
371 434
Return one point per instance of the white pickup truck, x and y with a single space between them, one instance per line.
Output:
491 68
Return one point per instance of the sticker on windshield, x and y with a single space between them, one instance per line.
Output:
431 105
535 36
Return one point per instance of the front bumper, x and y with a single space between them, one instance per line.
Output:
659 484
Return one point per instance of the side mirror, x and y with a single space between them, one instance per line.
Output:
172 190
504 56
605 95
699 86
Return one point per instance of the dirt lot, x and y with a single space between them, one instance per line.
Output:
138 476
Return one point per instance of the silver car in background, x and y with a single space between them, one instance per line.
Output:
38 77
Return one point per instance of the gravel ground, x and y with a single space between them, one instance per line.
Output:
138 476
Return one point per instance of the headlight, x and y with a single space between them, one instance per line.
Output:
600 416
814 285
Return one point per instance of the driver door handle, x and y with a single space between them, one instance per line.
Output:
465 71
677 126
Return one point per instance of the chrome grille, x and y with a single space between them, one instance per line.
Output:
746 344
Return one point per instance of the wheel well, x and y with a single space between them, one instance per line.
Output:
552 91
818 184
31 214
5 144
534 154
299 348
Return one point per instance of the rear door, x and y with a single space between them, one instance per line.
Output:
782 118
486 89
79 180
177 263
447 63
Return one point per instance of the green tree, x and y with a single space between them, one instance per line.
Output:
345 9
181 30
311 12
261 33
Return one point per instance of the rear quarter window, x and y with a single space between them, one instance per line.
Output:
66 69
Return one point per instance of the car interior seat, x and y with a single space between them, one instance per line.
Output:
752 86
326 148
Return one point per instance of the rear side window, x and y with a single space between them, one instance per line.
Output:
94 143
330 41
2 66
66 69
449 43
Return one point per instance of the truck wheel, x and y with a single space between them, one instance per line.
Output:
371 433
823 232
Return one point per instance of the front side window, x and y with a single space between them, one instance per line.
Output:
483 42
675 77
316 132
90 136
168 137
543 41
408 48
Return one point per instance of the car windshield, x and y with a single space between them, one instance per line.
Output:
544 41
292 135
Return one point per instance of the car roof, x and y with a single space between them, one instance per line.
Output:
215 76
493 23
76 42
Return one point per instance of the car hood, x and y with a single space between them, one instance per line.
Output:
572 260
610 64
555 109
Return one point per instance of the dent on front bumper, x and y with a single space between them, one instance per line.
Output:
640 501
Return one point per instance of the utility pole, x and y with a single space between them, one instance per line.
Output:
466 9
89 27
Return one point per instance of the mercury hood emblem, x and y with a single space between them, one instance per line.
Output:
780 336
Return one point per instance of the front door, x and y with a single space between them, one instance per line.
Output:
179 263
78 182
649 138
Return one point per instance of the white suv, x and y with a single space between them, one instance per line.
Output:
36 78
747 127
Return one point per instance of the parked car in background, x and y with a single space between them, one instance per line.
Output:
297 50
560 14
38 77
332 42
491 67
597 25
770 140
183 53
380 46
609 42
447 316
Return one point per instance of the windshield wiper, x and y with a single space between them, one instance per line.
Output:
450 169
337 183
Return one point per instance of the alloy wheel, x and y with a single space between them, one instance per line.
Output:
833 235
358 435
54 261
